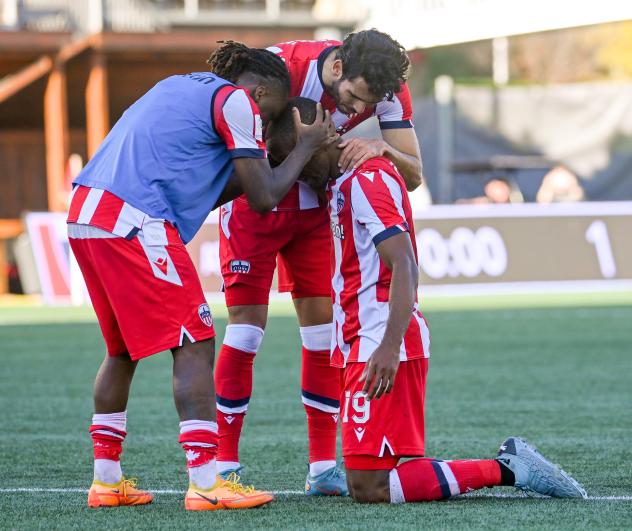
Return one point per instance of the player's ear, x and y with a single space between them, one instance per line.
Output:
336 69
259 92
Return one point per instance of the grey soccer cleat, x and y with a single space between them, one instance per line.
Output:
536 473
332 482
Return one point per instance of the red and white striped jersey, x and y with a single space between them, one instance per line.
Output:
304 61
366 207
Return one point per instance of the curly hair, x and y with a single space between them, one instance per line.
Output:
233 58
376 57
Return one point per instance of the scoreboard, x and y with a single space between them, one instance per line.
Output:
526 243
462 248
500 246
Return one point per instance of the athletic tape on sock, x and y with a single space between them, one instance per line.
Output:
244 337
317 337
118 421
192 425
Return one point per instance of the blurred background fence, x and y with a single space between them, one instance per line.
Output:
514 102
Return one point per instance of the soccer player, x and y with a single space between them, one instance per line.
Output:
361 77
143 195
382 342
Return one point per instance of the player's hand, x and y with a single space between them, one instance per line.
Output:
379 372
355 151
318 135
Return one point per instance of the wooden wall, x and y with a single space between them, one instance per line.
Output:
23 169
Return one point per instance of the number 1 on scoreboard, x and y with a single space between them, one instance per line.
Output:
597 234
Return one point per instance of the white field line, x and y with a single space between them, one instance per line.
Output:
296 493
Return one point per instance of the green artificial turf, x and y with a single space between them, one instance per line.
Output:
554 369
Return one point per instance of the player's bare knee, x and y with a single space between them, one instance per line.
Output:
252 314
369 494
200 350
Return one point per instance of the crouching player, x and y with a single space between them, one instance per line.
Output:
381 339
144 194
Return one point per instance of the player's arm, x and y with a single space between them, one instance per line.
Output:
396 252
282 175
264 186
231 191
236 120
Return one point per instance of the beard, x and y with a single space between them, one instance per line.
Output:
335 94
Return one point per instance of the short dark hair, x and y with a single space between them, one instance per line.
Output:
280 133
376 57
233 58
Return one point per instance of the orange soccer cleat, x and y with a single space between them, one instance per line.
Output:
117 494
226 494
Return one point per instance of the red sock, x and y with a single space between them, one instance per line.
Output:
320 389
107 442
432 479
233 385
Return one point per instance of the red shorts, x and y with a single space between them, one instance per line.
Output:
250 243
377 433
147 297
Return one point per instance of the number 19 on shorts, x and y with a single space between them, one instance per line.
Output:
361 407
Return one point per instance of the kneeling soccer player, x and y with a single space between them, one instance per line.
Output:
139 200
381 339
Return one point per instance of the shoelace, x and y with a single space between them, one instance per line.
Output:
337 473
232 483
127 483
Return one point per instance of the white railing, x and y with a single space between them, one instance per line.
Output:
89 16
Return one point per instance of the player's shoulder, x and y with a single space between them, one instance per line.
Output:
302 50
233 95
375 169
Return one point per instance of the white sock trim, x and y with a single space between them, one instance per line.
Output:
192 425
244 337
118 421
318 467
107 471
397 493
317 337
204 476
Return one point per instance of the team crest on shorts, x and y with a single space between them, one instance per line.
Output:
205 314
340 202
240 266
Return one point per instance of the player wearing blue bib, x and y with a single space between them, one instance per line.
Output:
164 166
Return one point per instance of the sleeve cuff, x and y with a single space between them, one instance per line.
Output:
400 124
246 153
391 231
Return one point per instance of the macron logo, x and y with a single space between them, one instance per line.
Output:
162 264
359 433
229 419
